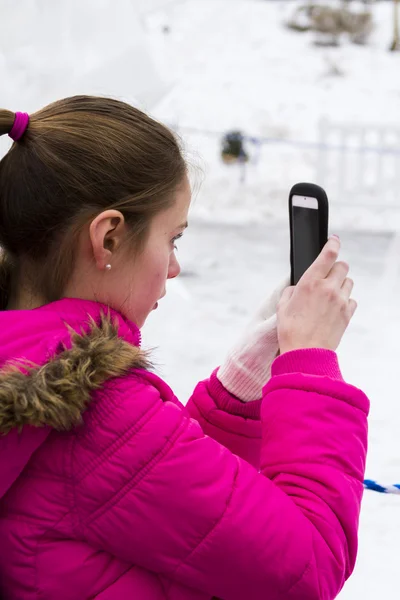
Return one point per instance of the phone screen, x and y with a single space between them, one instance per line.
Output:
305 232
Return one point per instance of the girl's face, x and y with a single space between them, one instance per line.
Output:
134 286
143 282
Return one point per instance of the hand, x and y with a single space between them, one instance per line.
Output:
316 313
247 368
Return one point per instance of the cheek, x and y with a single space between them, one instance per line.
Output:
158 280
156 271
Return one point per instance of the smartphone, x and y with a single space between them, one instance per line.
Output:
308 216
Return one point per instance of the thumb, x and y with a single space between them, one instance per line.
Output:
287 294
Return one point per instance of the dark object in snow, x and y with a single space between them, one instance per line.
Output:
330 23
232 148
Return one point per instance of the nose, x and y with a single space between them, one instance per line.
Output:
174 267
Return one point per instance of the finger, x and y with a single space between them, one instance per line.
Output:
322 266
338 273
347 287
352 307
286 295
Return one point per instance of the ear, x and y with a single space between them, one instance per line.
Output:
106 234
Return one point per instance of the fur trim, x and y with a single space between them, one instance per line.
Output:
57 393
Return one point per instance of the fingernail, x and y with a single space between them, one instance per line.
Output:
334 235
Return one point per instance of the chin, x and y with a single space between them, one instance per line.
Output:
140 322
139 317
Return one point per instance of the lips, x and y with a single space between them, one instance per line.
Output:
162 296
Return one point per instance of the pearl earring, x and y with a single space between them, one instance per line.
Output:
108 267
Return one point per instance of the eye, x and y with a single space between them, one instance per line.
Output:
175 239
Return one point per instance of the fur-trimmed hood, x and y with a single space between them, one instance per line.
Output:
56 393
53 359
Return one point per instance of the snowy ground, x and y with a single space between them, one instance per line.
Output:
231 64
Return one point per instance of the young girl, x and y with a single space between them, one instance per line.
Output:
109 487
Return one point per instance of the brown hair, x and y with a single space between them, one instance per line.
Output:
78 157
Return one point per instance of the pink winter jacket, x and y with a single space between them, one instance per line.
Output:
111 489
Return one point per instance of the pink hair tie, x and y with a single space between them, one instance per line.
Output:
20 125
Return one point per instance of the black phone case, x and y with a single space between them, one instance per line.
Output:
314 191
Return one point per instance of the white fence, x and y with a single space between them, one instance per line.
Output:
360 164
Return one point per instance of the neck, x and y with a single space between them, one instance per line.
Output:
24 299
22 295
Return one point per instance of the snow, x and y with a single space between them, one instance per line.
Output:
50 50
236 66
231 64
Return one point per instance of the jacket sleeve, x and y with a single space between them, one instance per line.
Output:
196 514
231 422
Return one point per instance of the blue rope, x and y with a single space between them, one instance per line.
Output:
370 484
260 141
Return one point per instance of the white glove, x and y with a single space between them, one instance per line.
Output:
247 367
